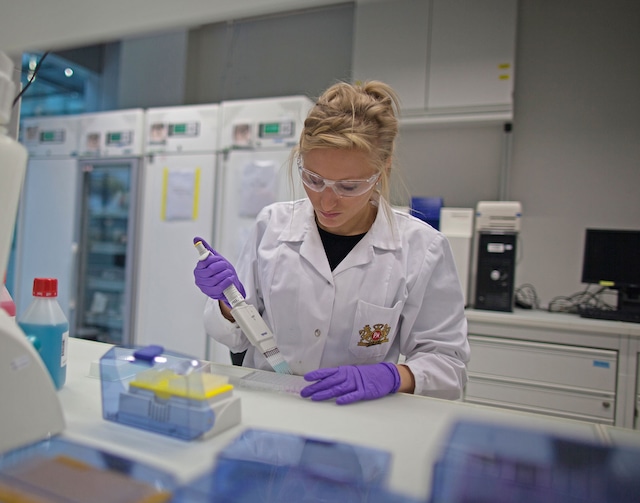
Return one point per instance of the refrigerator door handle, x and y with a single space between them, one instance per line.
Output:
73 275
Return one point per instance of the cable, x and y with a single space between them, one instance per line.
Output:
33 76
527 297
570 304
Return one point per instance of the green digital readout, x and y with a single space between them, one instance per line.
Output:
119 138
184 129
272 128
276 130
179 128
53 136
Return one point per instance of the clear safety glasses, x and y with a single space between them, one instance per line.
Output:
343 188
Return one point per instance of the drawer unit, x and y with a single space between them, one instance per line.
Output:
594 407
553 379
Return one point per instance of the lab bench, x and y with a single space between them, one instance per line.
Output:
413 429
555 364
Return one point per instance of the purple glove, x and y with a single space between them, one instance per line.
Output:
352 383
214 274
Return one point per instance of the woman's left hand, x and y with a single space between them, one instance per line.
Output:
352 383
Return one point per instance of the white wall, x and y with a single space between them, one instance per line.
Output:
576 137
576 148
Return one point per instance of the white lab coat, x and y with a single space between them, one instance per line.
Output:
403 283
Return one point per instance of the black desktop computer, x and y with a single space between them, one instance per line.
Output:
495 271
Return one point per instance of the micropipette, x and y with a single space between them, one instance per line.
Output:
251 323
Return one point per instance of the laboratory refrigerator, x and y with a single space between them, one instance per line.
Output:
176 204
256 139
111 146
44 243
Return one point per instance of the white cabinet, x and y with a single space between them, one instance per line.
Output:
390 44
471 55
441 56
555 364
552 379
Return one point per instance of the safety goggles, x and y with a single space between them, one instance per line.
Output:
343 188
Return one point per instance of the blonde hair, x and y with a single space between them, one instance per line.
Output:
362 116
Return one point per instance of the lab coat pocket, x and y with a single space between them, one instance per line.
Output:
373 331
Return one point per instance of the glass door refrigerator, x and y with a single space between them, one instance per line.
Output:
111 147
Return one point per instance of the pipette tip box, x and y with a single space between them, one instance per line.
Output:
270 466
166 392
65 471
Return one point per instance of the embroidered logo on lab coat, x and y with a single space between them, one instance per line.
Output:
377 335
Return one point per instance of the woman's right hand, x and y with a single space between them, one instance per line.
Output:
214 274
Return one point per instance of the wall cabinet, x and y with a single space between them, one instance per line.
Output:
554 364
443 57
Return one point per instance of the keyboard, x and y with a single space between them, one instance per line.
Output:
608 314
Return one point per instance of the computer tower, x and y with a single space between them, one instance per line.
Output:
495 271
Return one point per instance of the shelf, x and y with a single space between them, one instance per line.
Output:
421 119
108 248
106 285
110 214
103 320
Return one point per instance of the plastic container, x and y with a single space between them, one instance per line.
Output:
273 467
65 471
13 163
166 392
46 326
427 209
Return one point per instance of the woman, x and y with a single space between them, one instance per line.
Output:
346 283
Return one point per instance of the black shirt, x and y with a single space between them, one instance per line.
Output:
338 247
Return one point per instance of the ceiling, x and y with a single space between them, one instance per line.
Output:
47 25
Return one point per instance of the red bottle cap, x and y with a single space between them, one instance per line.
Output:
45 287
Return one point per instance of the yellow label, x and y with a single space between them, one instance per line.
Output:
504 66
607 283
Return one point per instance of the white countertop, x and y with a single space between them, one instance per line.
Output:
412 428
544 319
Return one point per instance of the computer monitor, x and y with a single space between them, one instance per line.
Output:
612 259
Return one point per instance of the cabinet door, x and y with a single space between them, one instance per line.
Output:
390 44
471 54
106 237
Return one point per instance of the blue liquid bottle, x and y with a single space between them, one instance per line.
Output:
45 324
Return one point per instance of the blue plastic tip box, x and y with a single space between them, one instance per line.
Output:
490 462
274 467
64 471
166 392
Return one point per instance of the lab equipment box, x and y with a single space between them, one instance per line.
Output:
491 462
165 392
64 471
268 466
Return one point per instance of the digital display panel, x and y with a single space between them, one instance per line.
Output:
276 130
119 138
184 129
52 136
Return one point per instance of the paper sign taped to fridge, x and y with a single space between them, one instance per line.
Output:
258 187
180 194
